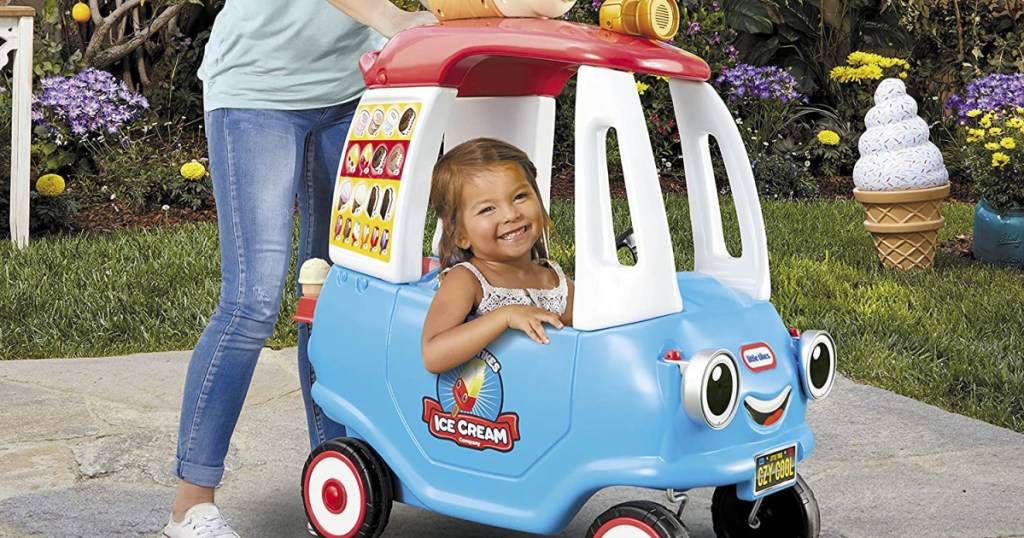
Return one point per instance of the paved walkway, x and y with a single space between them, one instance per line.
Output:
85 445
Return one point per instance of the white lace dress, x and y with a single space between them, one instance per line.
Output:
552 300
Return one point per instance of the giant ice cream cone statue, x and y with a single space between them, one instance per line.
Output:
900 179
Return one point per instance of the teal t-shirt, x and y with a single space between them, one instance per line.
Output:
284 55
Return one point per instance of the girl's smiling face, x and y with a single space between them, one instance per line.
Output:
501 217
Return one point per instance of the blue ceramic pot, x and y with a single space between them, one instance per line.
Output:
999 239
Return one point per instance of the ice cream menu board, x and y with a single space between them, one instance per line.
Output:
369 178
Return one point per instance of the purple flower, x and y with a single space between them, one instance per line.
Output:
715 6
732 52
994 93
91 102
694 28
716 38
758 82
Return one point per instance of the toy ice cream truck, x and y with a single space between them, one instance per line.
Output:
669 380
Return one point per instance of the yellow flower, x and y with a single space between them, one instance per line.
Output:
193 171
1015 122
992 146
973 113
976 133
828 138
1000 160
995 131
986 121
871 71
1008 143
903 75
641 87
661 77
50 185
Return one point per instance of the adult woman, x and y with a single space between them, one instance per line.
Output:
280 86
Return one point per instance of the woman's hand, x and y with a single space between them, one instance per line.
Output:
383 16
530 320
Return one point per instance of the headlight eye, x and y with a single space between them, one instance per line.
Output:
817 363
710 388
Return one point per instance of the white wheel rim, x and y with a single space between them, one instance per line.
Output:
330 466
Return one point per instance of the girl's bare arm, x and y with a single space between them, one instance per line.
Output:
449 340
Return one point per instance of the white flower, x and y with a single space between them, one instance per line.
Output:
739 121
103 188
113 197
165 207
807 164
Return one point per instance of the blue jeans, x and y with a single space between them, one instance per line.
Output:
260 160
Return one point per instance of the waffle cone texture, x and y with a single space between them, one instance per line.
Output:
904 224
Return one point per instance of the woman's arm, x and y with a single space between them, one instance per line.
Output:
449 340
383 16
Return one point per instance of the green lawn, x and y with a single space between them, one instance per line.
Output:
951 336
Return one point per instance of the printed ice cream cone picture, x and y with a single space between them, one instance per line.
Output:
375 238
359 198
344 195
467 387
900 179
385 239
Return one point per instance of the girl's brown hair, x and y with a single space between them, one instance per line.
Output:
451 172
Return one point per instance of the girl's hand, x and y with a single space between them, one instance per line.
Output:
530 320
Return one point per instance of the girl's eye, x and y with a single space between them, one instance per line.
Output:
487 209
522 196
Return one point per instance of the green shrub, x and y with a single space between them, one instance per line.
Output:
780 176
146 172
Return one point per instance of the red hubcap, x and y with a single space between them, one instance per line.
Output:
334 496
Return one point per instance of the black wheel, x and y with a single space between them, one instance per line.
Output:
346 490
637 519
790 513
627 240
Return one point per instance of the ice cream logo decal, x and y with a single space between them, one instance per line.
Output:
467 410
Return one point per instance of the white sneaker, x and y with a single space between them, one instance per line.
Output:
201 521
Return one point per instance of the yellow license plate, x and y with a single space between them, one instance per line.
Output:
775 469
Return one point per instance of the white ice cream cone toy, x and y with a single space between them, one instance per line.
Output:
900 179
312 275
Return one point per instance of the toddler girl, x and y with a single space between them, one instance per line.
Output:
493 254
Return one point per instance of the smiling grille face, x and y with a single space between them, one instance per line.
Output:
766 413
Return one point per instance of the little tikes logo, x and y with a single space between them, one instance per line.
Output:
758 356
467 410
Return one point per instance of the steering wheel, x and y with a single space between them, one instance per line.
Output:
627 240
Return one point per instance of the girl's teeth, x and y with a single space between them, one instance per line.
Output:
513 235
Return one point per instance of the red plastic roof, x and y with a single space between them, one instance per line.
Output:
501 57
